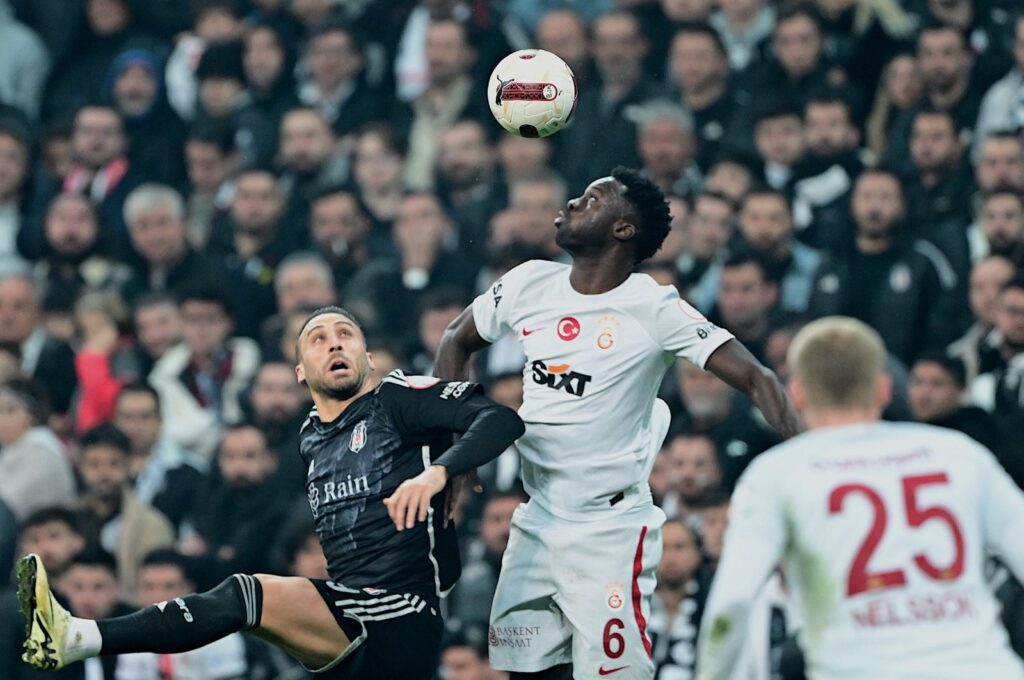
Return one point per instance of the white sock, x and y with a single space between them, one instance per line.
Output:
83 640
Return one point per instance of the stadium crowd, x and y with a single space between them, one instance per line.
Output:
181 183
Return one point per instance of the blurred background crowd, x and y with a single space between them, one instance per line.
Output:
182 182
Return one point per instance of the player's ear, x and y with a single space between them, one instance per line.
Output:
369 360
883 390
796 394
624 230
300 375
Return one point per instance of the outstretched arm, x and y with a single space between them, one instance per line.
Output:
459 342
733 363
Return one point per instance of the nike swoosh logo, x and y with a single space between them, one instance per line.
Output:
526 332
608 671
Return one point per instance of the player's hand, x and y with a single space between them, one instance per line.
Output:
411 501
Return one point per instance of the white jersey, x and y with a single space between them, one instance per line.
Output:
594 364
882 530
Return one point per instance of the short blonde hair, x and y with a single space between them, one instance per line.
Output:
837 360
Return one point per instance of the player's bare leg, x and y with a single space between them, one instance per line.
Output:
296 619
562 672
286 611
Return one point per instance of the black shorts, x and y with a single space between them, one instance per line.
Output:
395 636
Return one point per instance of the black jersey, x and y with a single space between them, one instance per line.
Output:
382 439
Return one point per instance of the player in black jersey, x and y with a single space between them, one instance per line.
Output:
378 461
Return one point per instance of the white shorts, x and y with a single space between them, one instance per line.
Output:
577 592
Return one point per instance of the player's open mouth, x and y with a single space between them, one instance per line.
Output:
337 366
560 219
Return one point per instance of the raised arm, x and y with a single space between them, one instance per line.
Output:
733 363
459 342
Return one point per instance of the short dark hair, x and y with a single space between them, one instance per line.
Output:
651 208
340 190
395 142
54 514
208 292
953 366
1003 190
94 556
218 135
1016 283
884 171
939 27
744 257
329 309
106 435
443 297
929 112
154 299
830 97
801 9
168 557
704 29
32 395
337 25
775 107
765 190
139 387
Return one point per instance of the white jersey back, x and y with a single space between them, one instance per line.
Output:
593 367
883 530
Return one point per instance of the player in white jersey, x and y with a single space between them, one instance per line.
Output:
881 529
577 576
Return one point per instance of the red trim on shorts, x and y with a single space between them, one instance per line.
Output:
638 613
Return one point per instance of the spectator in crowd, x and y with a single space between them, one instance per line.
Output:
1001 223
239 507
899 92
21 189
695 472
475 590
334 80
667 148
106 360
710 230
798 66
450 95
699 66
303 554
302 279
1001 108
155 132
939 191
744 27
467 181
47 360
268 61
157 324
732 174
712 518
766 225
201 380
101 169
936 389
747 298
988 276
522 157
34 469
824 177
900 286
463 660
383 292
999 161
111 514
279 405
340 230
678 602
1000 389
307 152
162 577
563 31
24 63
377 162
779 140
155 214
53 534
710 408
91 585
162 474
72 259
437 311
535 202
210 159
601 136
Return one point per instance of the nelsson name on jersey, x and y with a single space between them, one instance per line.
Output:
593 369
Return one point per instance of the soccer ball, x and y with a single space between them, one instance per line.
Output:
532 93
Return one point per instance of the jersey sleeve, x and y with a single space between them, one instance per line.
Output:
423 409
493 309
754 545
1002 514
684 332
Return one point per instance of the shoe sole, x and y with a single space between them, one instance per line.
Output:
28 600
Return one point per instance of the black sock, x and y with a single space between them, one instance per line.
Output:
186 623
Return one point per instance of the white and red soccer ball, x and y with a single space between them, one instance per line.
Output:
532 93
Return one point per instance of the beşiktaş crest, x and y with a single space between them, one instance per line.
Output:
358 440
